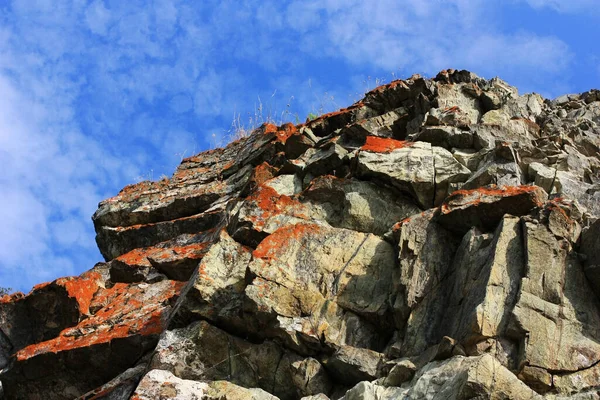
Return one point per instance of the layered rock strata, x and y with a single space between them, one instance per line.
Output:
437 239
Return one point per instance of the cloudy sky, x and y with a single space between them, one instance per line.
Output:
98 94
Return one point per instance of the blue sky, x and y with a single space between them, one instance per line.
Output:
95 95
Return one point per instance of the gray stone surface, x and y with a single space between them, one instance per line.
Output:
439 239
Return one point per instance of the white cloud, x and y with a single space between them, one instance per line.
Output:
569 6
70 232
97 17
208 97
46 188
424 37
166 18
23 227
541 54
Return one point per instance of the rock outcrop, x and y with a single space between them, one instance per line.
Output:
438 239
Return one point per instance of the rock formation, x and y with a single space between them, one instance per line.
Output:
439 239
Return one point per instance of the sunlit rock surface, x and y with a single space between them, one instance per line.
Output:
439 239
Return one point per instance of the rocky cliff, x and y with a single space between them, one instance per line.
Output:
437 240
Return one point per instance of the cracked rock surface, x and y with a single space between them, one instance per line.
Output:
439 239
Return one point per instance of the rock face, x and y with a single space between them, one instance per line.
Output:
437 239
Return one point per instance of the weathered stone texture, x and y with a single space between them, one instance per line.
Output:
438 239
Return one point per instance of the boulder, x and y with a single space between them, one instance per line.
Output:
555 319
484 207
498 167
468 378
425 251
391 124
217 287
358 205
456 378
46 311
487 272
445 136
459 103
125 326
159 384
264 211
416 168
299 142
202 352
310 285
324 159
351 365
310 377
174 259
542 176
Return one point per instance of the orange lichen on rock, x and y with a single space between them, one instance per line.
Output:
131 310
272 203
9 298
136 257
489 194
40 286
324 182
285 131
203 274
185 174
485 207
391 85
398 225
494 190
377 144
402 83
263 172
66 343
554 205
201 157
106 296
556 211
190 251
140 258
133 191
269 128
342 111
82 289
155 323
280 240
